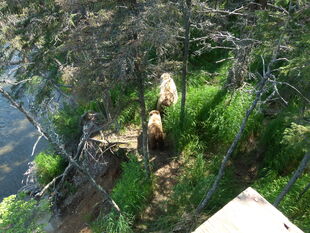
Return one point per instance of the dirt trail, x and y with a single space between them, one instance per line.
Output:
165 170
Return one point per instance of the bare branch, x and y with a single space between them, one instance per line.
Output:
35 145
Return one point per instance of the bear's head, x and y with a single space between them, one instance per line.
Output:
165 76
154 112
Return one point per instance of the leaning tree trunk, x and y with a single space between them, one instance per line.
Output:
187 16
145 150
302 166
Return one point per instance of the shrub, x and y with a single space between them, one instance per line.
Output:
48 166
130 113
131 193
19 216
67 120
285 141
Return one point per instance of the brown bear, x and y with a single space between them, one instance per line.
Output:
155 131
168 92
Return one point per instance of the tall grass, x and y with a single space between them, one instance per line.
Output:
213 117
197 98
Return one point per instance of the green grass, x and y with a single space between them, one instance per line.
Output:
213 117
18 215
131 112
49 165
197 98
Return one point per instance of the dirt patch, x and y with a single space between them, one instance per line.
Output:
246 166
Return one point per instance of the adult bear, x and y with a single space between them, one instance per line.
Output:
168 92
155 131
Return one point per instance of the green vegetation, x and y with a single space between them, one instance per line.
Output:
67 120
131 193
294 206
213 117
18 215
286 141
96 51
48 165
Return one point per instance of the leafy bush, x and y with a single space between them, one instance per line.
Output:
67 122
286 142
131 193
293 206
130 114
19 216
48 166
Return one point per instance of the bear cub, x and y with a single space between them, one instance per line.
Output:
155 131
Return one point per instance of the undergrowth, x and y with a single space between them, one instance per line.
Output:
67 120
286 139
48 165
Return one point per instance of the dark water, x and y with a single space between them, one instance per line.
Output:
17 137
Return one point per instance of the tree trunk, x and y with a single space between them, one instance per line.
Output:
145 150
302 166
231 149
187 16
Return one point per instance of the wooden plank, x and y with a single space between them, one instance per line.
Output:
249 212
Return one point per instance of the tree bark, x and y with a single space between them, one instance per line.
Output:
187 16
145 150
302 166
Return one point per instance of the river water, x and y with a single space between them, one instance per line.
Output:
17 137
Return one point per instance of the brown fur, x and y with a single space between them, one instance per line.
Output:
155 131
168 92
